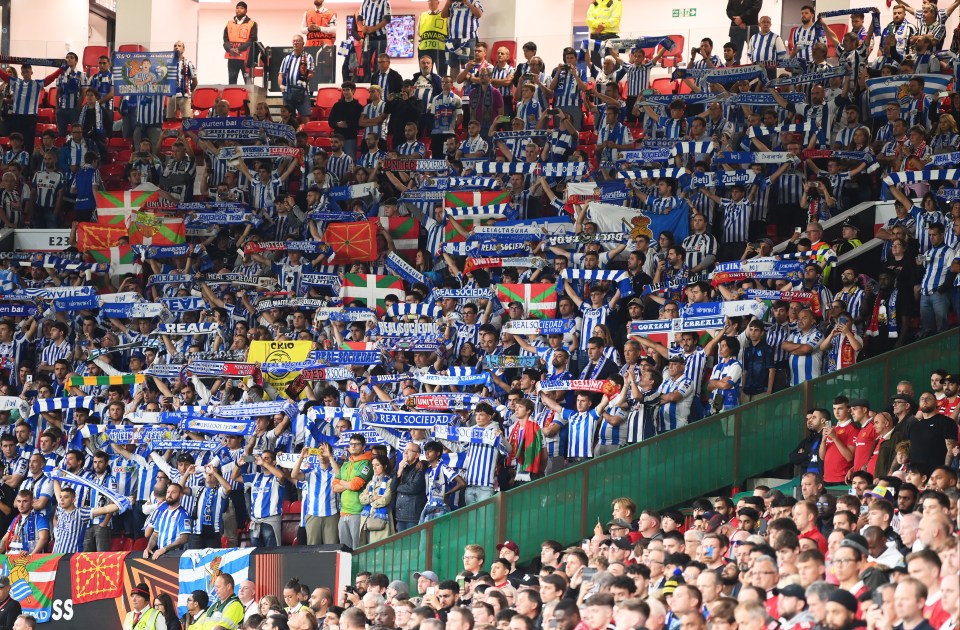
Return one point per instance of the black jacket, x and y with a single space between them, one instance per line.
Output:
748 10
411 494
9 611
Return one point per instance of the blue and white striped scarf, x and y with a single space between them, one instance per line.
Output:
75 480
248 410
402 309
821 76
547 169
466 435
403 269
912 177
496 211
409 419
686 148
42 405
462 294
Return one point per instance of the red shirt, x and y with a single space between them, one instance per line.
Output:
948 406
835 466
872 462
815 535
863 445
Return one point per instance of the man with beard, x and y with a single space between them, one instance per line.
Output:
949 405
792 608
841 612
169 526
932 436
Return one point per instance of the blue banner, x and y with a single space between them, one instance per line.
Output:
145 73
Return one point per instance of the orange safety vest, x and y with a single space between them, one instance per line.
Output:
319 38
239 34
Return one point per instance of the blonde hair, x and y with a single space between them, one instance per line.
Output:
951 121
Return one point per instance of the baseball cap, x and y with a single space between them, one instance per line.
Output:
845 599
622 542
794 590
880 492
399 586
430 575
677 358
952 378
509 544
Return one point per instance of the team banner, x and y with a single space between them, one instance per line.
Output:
759 99
734 308
246 410
664 100
535 170
222 368
421 343
9 403
455 380
348 357
321 280
258 152
407 329
778 296
33 61
539 326
353 314
22 309
277 130
51 293
106 381
136 310
710 179
188 329
145 73
462 294
677 325
441 402
415 165
92 485
466 435
533 262
170 278
183 304
821 76
581 238
223 217
329 374
197 565
196 424
403 269
748 157
582 385
509 361
279 352
402 309
872 10
409 419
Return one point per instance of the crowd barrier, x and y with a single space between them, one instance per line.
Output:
668 470
62 590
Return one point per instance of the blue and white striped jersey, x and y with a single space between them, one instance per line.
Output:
805 367
736 220
936 263
372 12
210 504
674 415
316 492
766 47
170 523
462 23
266 495
581 427
69 528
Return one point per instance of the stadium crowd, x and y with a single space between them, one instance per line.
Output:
590 264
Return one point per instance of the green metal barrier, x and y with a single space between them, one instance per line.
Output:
670 469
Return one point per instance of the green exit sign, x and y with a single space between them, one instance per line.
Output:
682 13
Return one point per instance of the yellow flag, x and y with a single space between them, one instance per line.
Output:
279 352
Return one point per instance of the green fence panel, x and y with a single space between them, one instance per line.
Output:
768 431
553 504
475 524
668 470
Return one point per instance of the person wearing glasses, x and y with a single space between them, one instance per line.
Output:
197 604
349 479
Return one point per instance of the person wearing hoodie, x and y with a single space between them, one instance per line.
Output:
349 479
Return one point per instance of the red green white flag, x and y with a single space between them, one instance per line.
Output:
147 228
405 232
372 289
116 206
539 299
121 259
31 581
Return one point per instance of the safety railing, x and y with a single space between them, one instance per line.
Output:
668 470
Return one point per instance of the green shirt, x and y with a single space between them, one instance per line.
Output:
350 470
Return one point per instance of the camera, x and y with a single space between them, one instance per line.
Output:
349 589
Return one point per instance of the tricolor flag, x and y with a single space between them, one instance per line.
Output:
115 206
539 299
122 259
147 228
199 568
883 90
31 581
405 232
372 289
471 198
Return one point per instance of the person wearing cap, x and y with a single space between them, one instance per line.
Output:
949 404
239 42
9 607
847 564
791 605
142 616
840 611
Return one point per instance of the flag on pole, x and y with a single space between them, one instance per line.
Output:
539 299
372 289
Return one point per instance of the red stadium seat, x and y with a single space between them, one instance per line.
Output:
317 128
840 30
790 40
52 97
235 96
119 143
362 94
683 88
140 544
664 85
327 96
205 97
131 48
47 115
673 58
121 543
114 170
510 45
91 55
292 507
